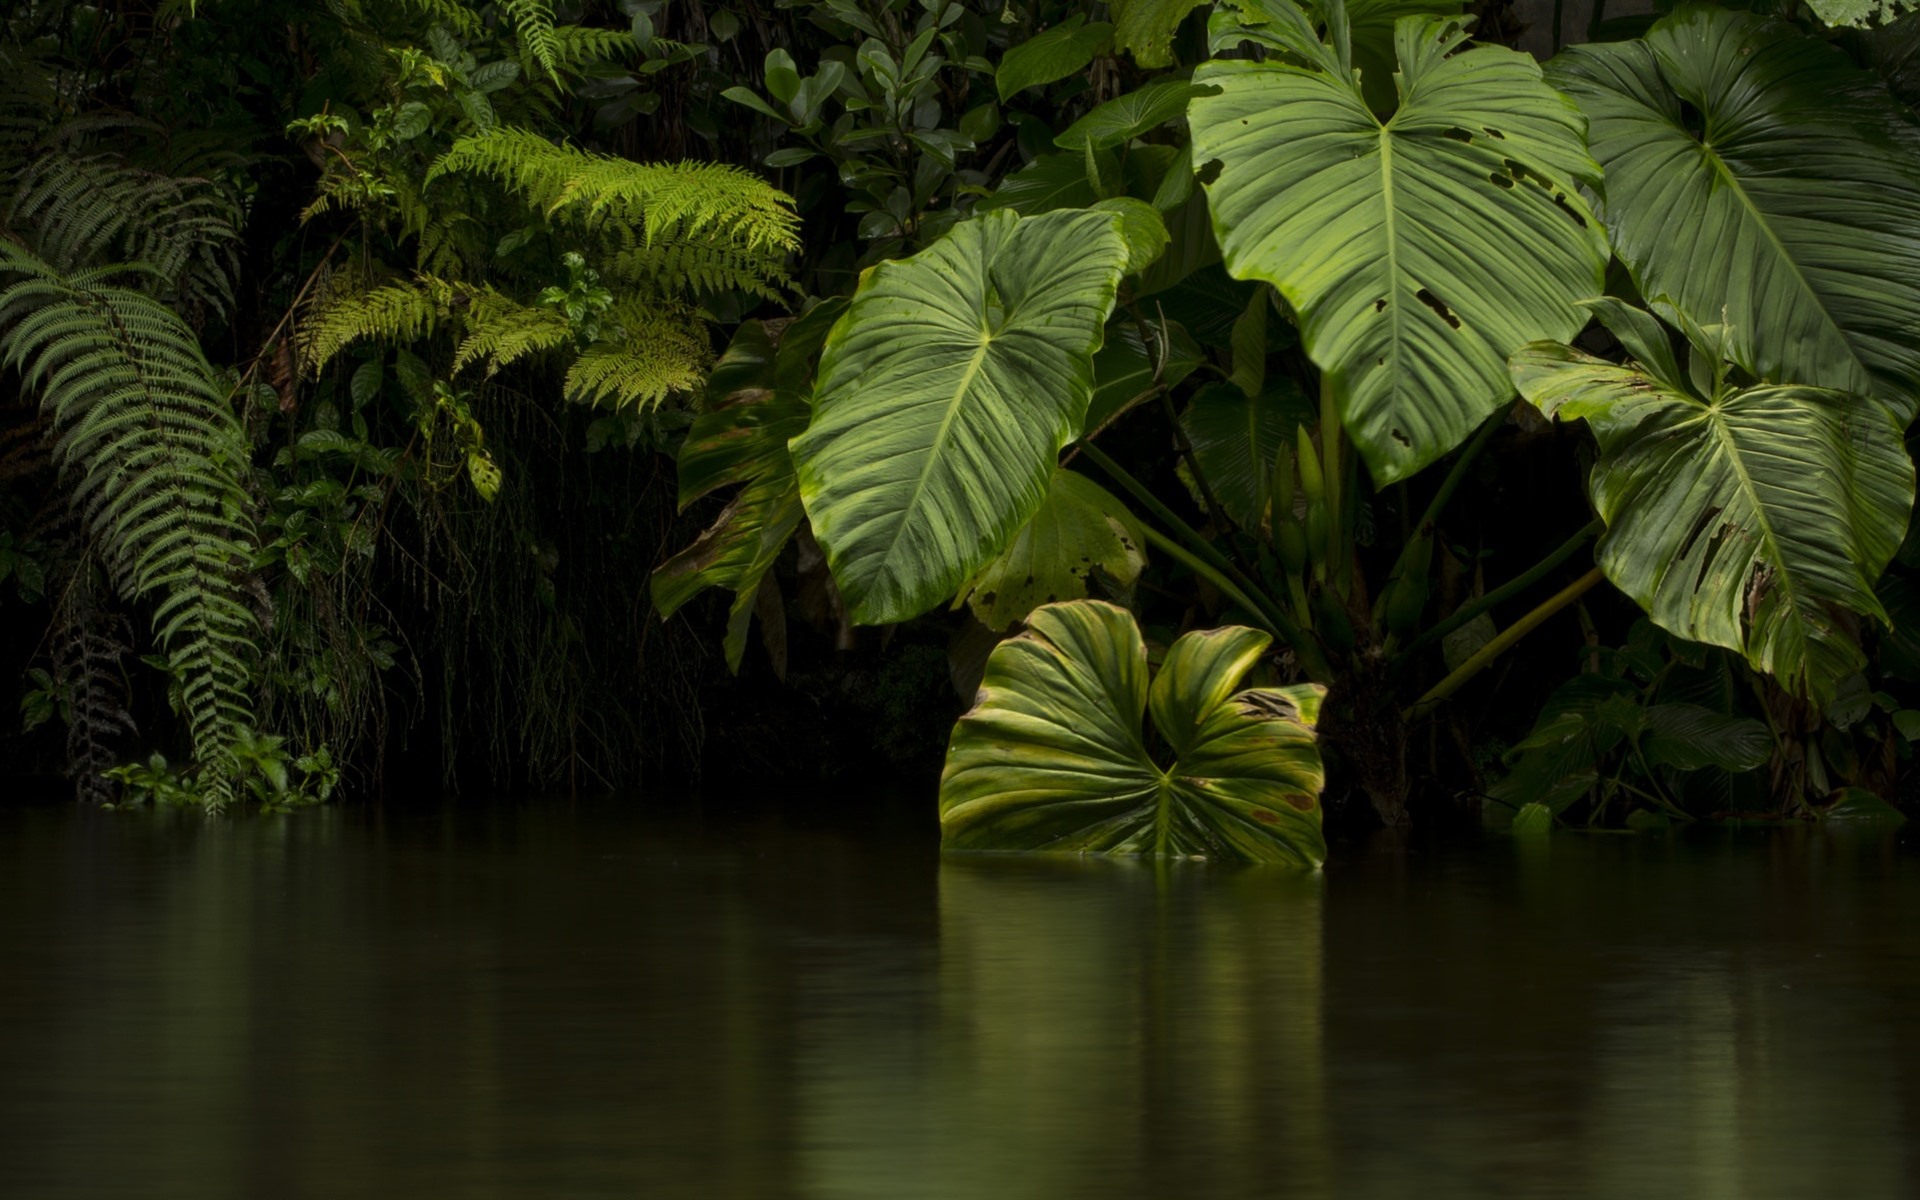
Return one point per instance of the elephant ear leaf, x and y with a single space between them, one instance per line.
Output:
1418 251
1053 756
756 402
1756 176
1079 527
943 399
1753 518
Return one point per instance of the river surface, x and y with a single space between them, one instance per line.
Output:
560 1000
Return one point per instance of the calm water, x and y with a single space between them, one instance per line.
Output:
568 1001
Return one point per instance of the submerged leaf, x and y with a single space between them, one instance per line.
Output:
1053 755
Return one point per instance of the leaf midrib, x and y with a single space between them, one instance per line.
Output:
1724 172
940 436
1716 421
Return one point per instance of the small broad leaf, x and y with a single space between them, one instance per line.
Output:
944 397
1688 737
1123 370
1418 251
1124 118
1145 28
1235 437
756 403
1141 227
1079 527
1048 182
1752 519
1054 54
1053 755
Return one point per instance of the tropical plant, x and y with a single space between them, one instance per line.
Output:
1053 757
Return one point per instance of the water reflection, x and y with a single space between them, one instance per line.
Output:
547 1001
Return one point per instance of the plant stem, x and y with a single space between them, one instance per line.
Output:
1219 568
1332 470
1520 583
1458 472
1304 649
1505 641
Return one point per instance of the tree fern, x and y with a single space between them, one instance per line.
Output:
154 458
80 209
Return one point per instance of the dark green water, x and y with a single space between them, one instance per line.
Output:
581 1001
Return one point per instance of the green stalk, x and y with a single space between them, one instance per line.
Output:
1451 483
1504 642
1333 470
1220 570
1304 648
1506 591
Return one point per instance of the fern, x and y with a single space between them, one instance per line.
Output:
154 458
500 332
89 642
533 21
660 352
81 209
404 311
712 204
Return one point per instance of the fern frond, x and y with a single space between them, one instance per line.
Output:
661 351
578 48
79 209
501 331
533 21
404 311
711 204
154 458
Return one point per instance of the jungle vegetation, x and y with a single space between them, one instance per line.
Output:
1237 409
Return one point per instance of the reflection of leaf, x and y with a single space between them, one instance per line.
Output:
1080 526
1053 755
944 397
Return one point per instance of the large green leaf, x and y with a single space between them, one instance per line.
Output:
943 399
756 403
1751 518
1419 251
1081 526
1755 176
1053 755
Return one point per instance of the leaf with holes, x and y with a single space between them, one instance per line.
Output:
1053 755
1757 177
1080 527
1753 518
943 399
1418 251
